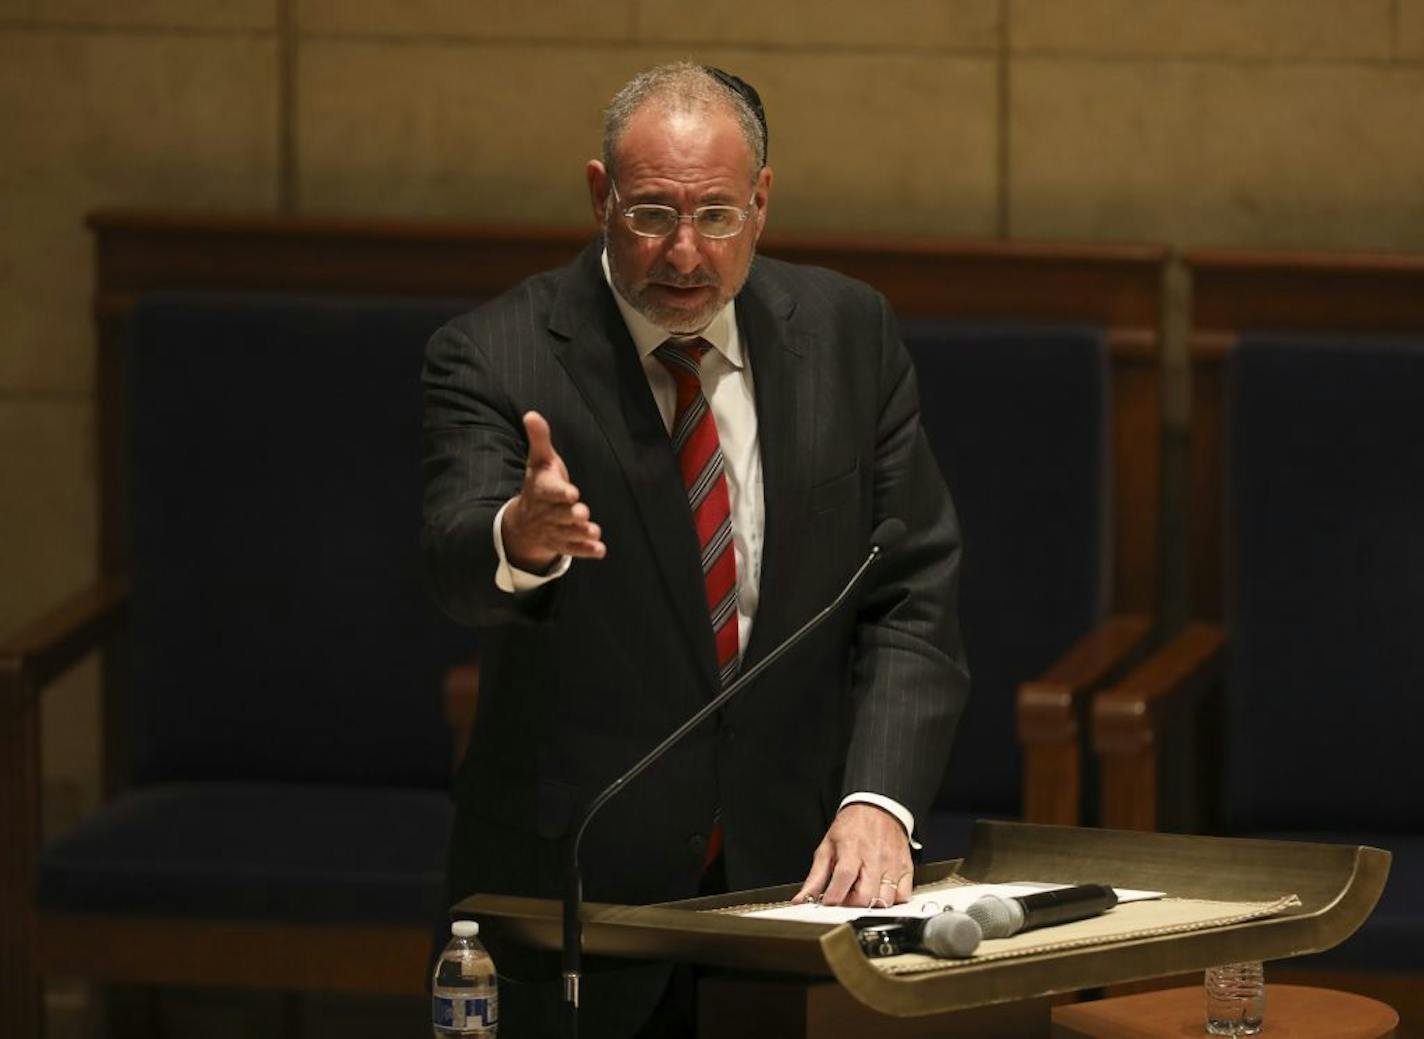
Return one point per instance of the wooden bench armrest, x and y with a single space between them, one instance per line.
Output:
1135 720
1130 716
1051 711
50 645
29 661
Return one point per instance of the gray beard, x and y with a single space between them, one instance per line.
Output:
669 319
673 321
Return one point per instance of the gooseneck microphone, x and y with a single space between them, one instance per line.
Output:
886 534
1000 917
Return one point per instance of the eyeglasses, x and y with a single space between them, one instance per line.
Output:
656 221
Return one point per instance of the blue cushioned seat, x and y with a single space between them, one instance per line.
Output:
303 854
1017 415
282 731
1325 603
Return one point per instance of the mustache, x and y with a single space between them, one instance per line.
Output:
665 275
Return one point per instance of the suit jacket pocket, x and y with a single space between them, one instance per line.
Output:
835 492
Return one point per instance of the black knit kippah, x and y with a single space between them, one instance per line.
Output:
748 93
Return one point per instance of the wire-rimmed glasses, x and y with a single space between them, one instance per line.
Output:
650 220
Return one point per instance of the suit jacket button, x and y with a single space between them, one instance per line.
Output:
698 844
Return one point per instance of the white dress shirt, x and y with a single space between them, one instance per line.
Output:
727 385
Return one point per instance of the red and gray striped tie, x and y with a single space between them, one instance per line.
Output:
699 457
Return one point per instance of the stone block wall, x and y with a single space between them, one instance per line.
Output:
1280 123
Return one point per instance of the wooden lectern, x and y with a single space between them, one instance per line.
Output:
1336 885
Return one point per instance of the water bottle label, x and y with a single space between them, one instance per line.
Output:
464 1013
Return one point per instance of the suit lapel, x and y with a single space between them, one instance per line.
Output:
782 372
598 353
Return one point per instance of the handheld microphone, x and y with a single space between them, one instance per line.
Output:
885 535
1001 917
947 935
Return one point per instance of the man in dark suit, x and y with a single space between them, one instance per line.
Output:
643 472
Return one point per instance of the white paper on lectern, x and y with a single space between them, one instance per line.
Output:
925 903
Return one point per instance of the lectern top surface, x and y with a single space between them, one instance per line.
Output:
1229 900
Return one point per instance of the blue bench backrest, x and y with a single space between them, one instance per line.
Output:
1018 417
281 628
1325 583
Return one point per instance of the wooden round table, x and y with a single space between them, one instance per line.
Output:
1292 1012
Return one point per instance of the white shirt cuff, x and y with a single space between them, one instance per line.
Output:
509 578
895 808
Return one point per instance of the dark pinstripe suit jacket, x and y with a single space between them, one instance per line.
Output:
591 671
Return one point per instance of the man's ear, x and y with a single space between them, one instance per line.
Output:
597 178
763 198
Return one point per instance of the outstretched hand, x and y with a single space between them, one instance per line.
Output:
546 520
864 858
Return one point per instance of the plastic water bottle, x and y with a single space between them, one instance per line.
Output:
1235 999
465 994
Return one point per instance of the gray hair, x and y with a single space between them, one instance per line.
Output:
680 86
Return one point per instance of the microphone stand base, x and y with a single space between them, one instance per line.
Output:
571 1004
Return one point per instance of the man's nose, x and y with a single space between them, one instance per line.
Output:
683 248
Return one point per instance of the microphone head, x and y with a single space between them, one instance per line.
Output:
951 935
887 533
997 917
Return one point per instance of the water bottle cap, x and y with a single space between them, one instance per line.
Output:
464 928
